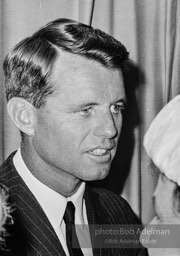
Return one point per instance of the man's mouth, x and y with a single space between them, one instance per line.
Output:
99 152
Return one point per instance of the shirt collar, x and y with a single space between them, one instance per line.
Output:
77 199
52 202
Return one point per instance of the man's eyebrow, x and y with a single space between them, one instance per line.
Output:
79 104
83 104
92 103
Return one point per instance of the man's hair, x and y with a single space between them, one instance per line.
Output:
29 66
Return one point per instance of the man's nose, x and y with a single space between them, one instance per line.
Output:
106 126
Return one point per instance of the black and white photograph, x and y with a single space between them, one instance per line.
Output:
90 127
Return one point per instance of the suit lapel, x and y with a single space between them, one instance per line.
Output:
92 218
97 214
30 220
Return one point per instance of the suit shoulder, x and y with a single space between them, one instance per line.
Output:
8 162
6 168
114 205
109 197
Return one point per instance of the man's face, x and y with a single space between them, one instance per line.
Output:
77 131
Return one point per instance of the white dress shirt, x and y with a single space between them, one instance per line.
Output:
54 205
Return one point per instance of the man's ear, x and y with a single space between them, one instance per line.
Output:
23 114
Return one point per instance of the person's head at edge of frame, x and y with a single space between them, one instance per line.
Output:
162 145
65 92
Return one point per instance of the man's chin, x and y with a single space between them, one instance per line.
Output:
97 175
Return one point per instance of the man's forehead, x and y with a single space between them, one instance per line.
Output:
73 61
69 64
81 78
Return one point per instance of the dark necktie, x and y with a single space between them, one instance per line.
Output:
71 236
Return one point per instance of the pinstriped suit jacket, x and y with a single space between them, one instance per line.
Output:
32 233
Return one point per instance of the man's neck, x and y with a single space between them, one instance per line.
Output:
61 182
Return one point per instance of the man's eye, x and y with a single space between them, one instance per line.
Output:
85 112
116 109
